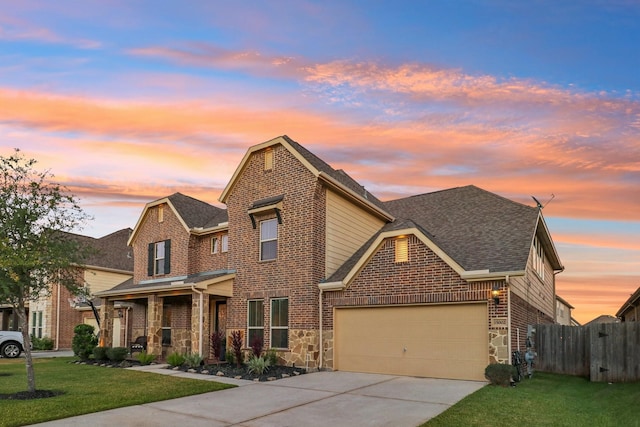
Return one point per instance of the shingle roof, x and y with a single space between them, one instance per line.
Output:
111 251
196 213
338 174
478 229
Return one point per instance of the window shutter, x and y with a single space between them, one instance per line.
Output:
151 259
167 256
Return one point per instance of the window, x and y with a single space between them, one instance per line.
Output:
215 245
268 159
36 324
225 243
255 321
280 323
268 239
402 249
159 258
166 324
538 257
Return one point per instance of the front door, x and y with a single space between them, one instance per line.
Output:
220 324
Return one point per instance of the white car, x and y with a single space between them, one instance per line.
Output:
11 344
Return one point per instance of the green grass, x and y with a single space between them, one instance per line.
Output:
547 400
86 389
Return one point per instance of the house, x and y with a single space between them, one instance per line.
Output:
315 266
563 312
629 310
56 314
603 318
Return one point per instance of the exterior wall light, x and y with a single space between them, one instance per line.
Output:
495 293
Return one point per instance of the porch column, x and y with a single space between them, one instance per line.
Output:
199 315
154 320
107 312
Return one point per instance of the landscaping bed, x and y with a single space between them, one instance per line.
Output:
275 372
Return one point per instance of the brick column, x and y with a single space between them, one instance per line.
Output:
107 311
195 324
154 320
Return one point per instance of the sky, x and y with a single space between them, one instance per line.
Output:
127 101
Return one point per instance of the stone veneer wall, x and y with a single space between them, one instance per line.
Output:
303 345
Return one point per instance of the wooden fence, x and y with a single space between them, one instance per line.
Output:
607 352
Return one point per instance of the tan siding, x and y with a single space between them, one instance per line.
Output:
533 290
99 281
348 228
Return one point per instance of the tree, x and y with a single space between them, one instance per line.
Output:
36 249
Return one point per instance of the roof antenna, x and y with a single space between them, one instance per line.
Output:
540 205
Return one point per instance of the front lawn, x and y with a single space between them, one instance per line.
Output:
86 389
547 400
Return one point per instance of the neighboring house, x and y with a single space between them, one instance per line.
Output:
603 318
563 312
308 261
629 312
56 315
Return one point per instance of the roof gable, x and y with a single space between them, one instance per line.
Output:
193 214
335 179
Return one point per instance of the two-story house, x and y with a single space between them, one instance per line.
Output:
320 270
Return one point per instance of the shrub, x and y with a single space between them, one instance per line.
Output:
216 344
175 359
236 345
84 341
228 356
193 360
499 373
272 357
44 343
100 353
258 365
144 358
256 346
117 354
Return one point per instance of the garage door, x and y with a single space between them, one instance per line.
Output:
438 341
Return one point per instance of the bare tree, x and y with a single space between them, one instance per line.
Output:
36 250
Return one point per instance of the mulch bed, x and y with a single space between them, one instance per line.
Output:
232 371
27 395
222 370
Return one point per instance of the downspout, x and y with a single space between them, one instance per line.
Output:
506 281
58 320
200 325
321 359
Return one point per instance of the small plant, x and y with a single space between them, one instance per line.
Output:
272 357
228 356
256 346
258 365
44 343
100 353
216 345
175 359
84 341
236 345
193 360
499 373
117 354
144 358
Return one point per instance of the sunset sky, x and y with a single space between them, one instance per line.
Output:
130 101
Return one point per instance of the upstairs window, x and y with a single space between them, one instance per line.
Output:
159 261
538 257
215 245
225 242
402 249
268 239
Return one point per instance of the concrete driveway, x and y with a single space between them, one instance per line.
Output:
317 399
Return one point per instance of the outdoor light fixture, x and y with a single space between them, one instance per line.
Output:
495 293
